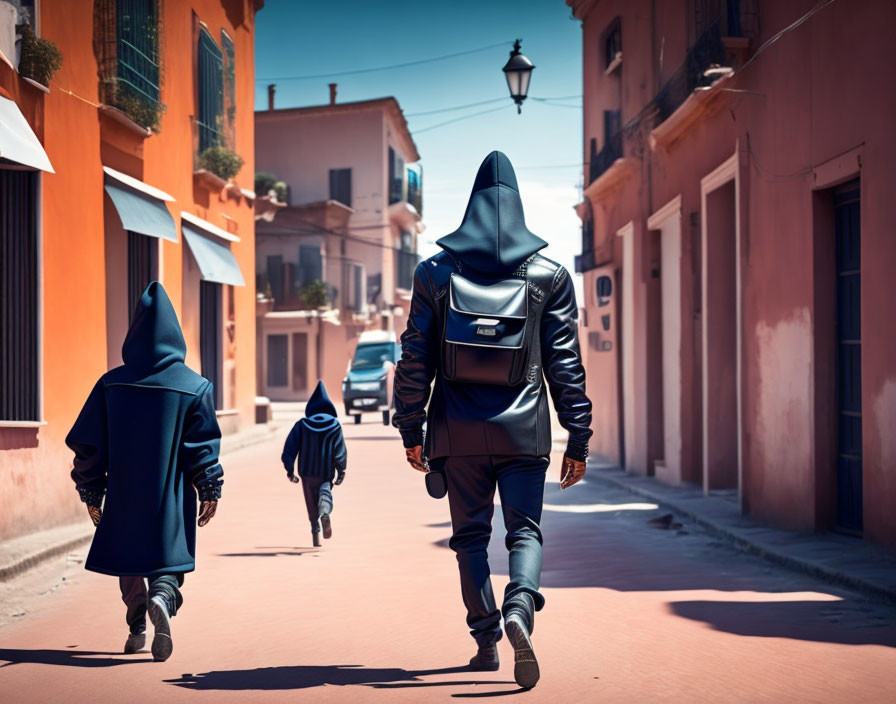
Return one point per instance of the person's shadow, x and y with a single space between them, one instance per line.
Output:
306 676
66 658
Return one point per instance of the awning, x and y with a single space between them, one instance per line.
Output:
140 206
216 261
18 142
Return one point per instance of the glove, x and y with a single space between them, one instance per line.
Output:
340 477
293 478
415 458
571 471
96 513
207 511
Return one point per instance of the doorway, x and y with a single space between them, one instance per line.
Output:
210 337
142 267
848 356
300 363
721 328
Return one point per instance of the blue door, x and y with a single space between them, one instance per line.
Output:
847 234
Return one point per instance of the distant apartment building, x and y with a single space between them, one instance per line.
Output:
338 256
107 181
737 251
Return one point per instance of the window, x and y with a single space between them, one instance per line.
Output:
275 276
613 43
210 334
396 177
405 262
19 313
142 267
137 50
310 264
210 122
415 188
341 186
229 54
278 359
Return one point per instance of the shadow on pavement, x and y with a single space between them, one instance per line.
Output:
804 620
297 553
66 658
620 544
306 676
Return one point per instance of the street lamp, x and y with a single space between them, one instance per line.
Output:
518 71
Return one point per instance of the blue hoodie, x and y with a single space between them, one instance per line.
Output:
316 440
147 439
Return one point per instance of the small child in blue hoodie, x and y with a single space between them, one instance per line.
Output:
317 441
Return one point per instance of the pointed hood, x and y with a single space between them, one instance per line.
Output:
320 403
154 339
493 236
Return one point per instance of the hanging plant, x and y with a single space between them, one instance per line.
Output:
221 161
40 58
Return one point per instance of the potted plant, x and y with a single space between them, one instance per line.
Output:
314 294
221 161
40 58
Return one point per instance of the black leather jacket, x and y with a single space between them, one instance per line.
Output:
481 419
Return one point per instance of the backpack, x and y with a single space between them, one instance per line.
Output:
489 330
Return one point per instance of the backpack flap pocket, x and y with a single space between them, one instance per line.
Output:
485 331
491 315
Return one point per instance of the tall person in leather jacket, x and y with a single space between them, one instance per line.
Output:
483 435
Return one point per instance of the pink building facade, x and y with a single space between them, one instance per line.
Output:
351 222
736 252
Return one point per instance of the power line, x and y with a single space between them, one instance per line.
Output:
385 68
453 108
459 119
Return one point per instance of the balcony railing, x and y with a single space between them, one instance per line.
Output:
707 50
603 160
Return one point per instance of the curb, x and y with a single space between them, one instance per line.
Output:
28 562
827 574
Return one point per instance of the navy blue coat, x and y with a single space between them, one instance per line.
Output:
148 439
316 440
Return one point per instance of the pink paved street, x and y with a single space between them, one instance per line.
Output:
634 613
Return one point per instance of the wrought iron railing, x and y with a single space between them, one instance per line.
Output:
129 33
706 51
603 160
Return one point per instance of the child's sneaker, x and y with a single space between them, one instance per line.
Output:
326 525
162 645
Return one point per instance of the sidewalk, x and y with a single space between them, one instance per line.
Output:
858 564
20 554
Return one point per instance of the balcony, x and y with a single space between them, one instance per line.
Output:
606 157
709 49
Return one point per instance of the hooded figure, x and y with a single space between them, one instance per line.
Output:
147 440
317 441
485 436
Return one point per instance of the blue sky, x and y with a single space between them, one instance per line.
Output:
544 143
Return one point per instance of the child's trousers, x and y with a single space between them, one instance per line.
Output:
134 594
318 499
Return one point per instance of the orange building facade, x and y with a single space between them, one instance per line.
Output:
737 252
144 89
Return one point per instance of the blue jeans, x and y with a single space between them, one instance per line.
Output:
471 493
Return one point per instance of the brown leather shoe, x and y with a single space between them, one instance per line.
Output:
486 659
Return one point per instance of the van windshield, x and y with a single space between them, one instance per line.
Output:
371 356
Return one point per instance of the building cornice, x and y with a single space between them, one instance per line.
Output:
389 105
